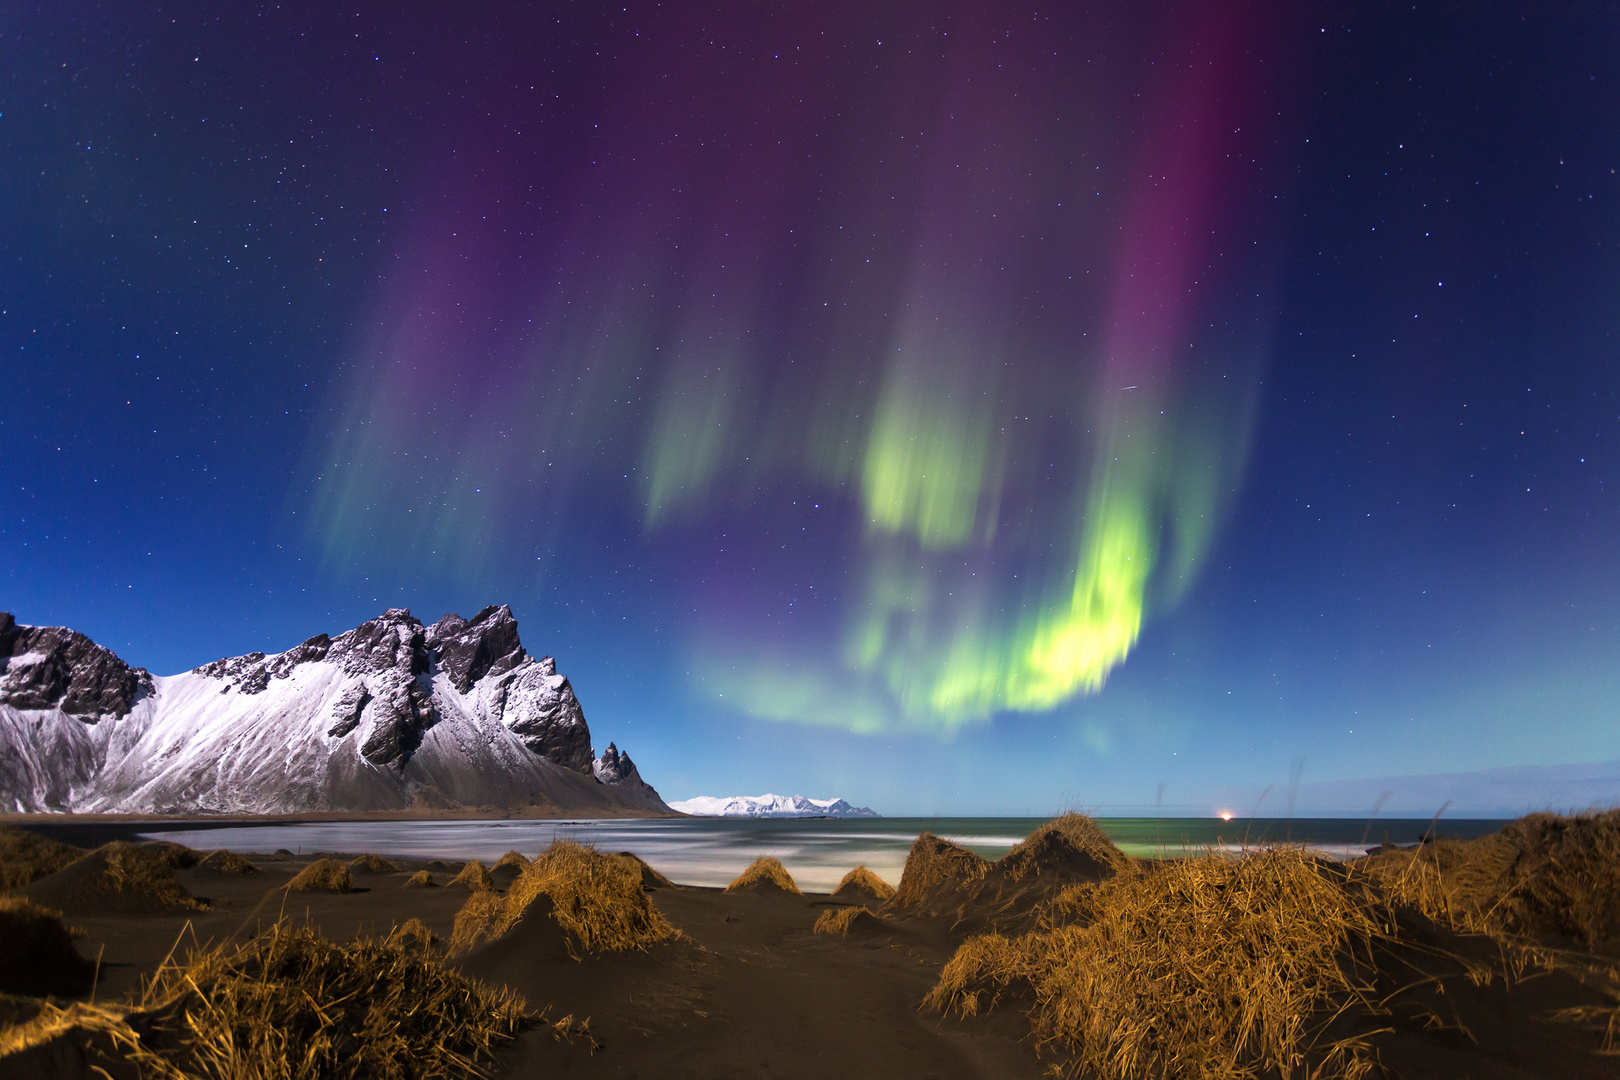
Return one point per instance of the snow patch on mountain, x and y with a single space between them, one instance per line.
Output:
389 715
769 806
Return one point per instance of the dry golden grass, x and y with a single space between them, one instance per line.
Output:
931 863
1214 968
135 870
421 880
841 920
413 933
475 877
598 899
516 860
375 864
863 880
323 875
27 856
292 1005
1068 839
650 878
228 862
765 872
1545 874
174 856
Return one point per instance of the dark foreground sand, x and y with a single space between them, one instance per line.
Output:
749 990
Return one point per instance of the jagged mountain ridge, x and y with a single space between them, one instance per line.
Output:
769 806
390 715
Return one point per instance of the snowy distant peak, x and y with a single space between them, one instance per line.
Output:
43 667
769 806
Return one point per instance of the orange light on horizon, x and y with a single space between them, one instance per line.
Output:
1226 815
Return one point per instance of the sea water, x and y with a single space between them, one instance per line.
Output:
816 851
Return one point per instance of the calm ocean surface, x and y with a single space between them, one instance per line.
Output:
817 851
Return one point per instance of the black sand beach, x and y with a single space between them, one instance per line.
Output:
745 986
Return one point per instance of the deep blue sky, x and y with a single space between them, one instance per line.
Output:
786 368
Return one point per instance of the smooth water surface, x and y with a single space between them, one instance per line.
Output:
816 851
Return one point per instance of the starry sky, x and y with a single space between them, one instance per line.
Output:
956 408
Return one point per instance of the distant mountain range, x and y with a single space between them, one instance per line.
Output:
769 806
391 715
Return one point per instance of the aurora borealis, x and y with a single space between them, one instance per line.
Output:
831 387
993 384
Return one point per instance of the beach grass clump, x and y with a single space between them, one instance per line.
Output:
134 870
841 921
475 877
291 1004
421 880
413 934
373 864
26 856
323 875
598 900
1210 967
227 862
1072 841
650 878
863 880
514 859
765 872
174 856
934 862
1542 875
37 955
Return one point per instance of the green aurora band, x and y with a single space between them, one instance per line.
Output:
1026 449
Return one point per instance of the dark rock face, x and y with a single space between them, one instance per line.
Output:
613 767
540 708
346 713
469 650
313 649
42 667
392 643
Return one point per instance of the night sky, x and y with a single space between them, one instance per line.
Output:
958 409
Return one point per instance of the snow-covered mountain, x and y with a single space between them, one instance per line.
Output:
769 806
390 715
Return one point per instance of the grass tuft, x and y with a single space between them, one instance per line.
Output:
174 856
291 1004
475 878
842 920
598 899
228 862
413 934
27 856
323 875
765 872
1217 968
933 862
375 864
1542 875
516 860
863 880
421 880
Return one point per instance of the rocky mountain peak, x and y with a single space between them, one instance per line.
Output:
392 642
470 649
44 667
